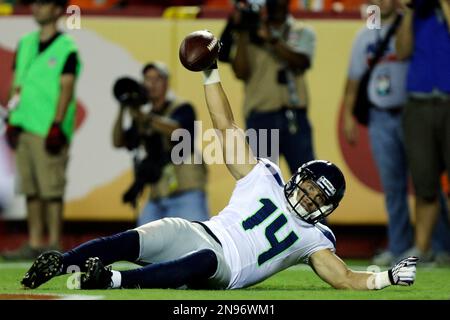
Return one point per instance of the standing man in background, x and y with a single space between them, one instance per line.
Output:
424 39
176 190
271 53
42 124
386 91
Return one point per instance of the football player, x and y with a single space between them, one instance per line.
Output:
267 227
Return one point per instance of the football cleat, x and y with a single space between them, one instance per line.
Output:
97 276
48 265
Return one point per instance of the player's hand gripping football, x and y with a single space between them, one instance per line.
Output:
404 272
199 51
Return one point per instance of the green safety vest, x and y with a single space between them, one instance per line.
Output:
38 76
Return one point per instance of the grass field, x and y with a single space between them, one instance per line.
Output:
294 283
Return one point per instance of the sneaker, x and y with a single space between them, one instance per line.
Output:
97 275
25 252
442 259
425 259
47 265
385 258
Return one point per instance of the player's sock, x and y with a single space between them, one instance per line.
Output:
191 269
123 246
116 279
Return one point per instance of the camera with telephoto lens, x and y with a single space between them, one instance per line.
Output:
250 14
130 93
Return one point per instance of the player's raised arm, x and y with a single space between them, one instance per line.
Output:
240 161
197 52
333 270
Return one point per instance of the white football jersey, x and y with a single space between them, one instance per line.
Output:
259 236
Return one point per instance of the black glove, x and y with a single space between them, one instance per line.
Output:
404 272
12 135
56 139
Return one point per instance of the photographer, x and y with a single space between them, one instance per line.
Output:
271 53
175 190
424 38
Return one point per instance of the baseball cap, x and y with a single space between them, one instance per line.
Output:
159 66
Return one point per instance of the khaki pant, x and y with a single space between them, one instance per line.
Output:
426 125
172 238
40 174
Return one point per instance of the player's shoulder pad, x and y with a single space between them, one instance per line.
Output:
326 231
272 170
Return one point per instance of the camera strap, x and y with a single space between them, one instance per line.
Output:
294 99
381 48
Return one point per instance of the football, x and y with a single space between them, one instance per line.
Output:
199 50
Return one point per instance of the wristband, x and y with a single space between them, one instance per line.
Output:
382 280
211 76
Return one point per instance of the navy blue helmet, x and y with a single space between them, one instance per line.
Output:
327 178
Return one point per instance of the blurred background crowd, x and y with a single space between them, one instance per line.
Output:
309 5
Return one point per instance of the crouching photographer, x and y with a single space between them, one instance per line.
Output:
148 115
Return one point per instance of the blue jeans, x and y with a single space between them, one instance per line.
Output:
297 148
386 138
190 205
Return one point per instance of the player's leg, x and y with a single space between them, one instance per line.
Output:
175 248
119 247
193 269
123 246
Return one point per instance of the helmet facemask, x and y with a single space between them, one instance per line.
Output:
301 203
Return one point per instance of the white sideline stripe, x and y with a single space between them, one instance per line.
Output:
79 297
